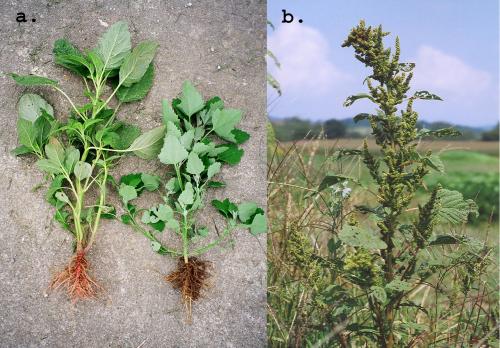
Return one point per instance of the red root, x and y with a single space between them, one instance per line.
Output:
190 279
76 280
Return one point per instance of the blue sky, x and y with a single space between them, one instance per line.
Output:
454 44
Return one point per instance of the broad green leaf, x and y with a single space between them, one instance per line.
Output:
49 166
398 285
136 63
200 148
114 45
202 231
187 196
148 145
434 162
452 207
225 207
127 193
33 80
246 210
55 151
97 62
21 150
172 151
259 224
194 164
224 122
151 182
134 179
168 113
62 197
42 128
215 184
156 246
232 155
240 136
172 129
30 105
361 237
122 136
187 139
191 100
27 135
82 170
378 293
164 212
69 56
138 90
213 170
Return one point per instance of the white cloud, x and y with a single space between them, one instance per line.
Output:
305 63
441 72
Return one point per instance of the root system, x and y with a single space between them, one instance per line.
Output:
76 279
190 279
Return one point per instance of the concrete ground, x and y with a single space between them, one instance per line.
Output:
220 46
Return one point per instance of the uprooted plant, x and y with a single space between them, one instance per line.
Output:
77 154
198 139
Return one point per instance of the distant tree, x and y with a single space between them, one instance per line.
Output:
491 135
295 128
334 129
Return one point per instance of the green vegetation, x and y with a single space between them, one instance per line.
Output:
197 139
374 257
78 154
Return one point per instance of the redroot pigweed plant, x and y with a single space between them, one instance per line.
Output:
77 154
394 253
198 139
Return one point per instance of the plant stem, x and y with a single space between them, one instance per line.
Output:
185 241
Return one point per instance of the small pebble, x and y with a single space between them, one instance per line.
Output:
188 4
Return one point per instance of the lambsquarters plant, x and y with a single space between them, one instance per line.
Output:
199 138
77 154
389 262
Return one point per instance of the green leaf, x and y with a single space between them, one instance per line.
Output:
108 212
134 179
452 208
122 136
172 151
33 80
55 152
42 128
351 99
225 207
126 219
139 90
82 170
232 155
361 237
127 193
240 136
62 197
425 95
194 164
213 170
200 148
434 162
168 113
439 133
151 182
259 225
378 293
156 246
187 139
49 166
398 285
30 107
191 100
69 56
148 145
330 180
187 196
137 62
447 239
21 150
114 45
246 211
27 135
215 184
224 122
